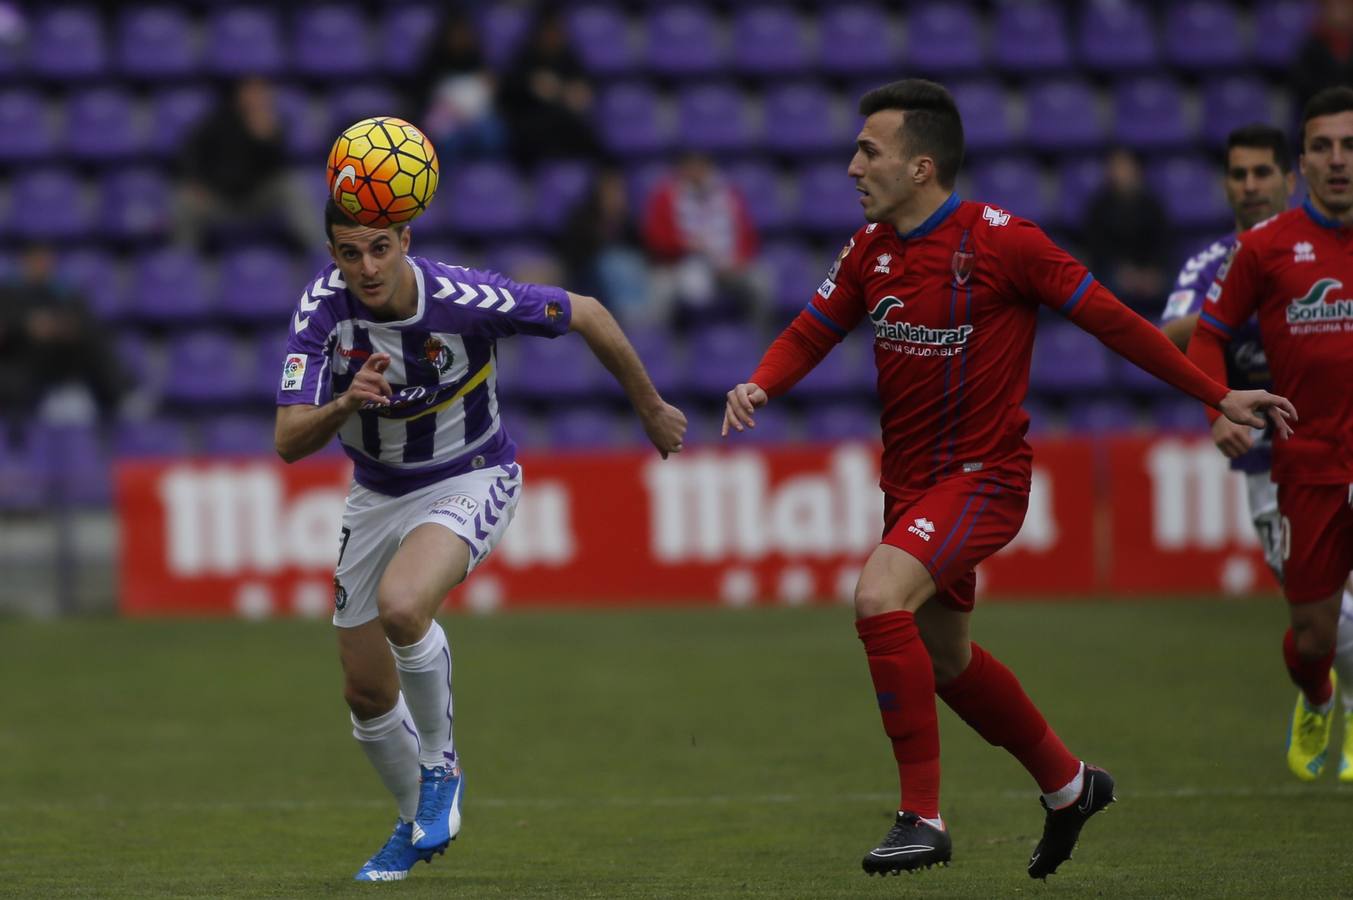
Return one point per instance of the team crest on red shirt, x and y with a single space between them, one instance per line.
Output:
962 265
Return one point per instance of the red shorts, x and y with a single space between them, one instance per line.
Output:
1317 539
953 526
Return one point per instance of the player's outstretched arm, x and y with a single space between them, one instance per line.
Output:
664 423
302 429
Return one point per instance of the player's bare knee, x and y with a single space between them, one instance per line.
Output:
947 664
874 598
402 614
368 701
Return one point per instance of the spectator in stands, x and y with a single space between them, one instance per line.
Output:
1126 233
235 176
602 253
50 344
547 98
699 234
1326 56
452 93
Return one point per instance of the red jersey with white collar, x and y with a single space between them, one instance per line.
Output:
953 306
1296 271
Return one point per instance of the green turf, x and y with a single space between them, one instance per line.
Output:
669 754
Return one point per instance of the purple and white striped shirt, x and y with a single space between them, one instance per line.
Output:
443 418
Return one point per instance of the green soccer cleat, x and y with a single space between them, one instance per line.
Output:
1308 738
1346 763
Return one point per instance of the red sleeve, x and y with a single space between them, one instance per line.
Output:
793 354
1208 353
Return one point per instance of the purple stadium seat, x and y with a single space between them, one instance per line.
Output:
1101 416
1013 183
135 203
48 204
237 435
1149 114
140 360
485 199
1030 37
643 179
1205 34
795 272
310 131
331 40
943 39
774 425
601 33
836 421
583 427
559 187
204 368
1178 415
770 40
1280 26
1042 419
1232 101
661 356
350 105
258 284
103 124
170 286
828 201
1078 178
857 39
174 112
683 39
24 479
77 464
632 119
149 438
409 28
724 352
156 42
986 115
27 128
554 369
1117 37
768 197
1063 114
1068 360
265 357
245 40
802 118
714 117
1188 187
95 275
502 28
68 42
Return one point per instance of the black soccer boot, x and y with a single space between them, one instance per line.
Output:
909 845
1062 827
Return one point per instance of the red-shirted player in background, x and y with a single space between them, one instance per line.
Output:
1292 269
952 290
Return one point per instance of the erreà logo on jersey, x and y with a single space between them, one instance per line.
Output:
1316 306
882 315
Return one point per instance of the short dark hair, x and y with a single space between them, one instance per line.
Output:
931 126
337 215
1259 136
1331 100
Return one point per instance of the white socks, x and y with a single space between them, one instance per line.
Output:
425 675
1343 651
390 744
1066 795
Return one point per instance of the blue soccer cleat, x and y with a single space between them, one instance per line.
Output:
438 820
393 861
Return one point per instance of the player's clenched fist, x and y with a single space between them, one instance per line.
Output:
743 400
665 426
369 388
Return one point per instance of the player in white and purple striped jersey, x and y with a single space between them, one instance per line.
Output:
1258 181
395 355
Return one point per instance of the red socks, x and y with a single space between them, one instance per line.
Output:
989 698
905 684
1311 675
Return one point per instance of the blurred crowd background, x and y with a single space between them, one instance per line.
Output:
163 178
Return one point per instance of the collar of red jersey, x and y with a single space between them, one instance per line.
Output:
933 221
1318 217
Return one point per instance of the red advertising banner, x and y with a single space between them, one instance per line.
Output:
787 525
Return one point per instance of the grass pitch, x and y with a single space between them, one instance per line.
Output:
652 754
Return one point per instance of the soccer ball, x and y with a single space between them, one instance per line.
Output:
382 171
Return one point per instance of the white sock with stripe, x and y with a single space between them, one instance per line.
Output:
391 747
425 675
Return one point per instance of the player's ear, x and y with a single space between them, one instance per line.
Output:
333 254
923 167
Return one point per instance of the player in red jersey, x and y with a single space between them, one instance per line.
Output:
1292 270
952 291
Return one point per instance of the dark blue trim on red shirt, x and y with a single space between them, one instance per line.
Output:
1318 217
821 317
934 220
1217 324
1076 295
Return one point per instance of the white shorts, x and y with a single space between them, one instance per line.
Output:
1263 497
476 507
